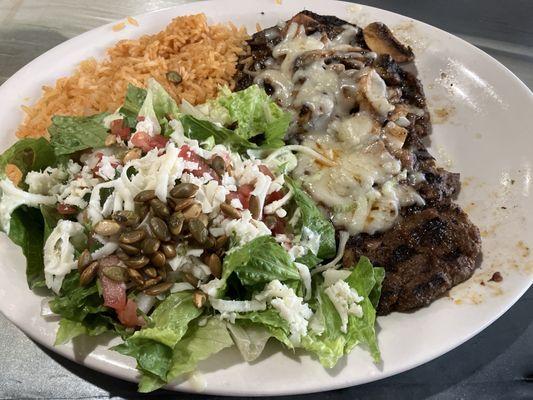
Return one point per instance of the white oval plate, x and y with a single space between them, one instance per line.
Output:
481 115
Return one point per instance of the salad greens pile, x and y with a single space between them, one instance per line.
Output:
267 288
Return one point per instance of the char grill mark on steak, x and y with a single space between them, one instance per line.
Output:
424 255
430 248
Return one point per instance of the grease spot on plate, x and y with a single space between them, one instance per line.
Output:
441 115
407 33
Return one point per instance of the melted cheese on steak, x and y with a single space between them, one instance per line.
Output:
342 105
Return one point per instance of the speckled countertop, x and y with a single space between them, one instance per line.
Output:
496 364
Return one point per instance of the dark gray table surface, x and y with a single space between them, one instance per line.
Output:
496 364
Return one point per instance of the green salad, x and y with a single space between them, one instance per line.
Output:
180 229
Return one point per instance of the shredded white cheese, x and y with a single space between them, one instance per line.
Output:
59 253
343 239
290 307
225 306
13 197
345 300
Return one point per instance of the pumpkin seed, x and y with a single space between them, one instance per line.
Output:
174 77
199 299
158 289
121 254
214 264
193 211
89 273
133 154
159 208
115 273
169 250
219 165
184 190
132 237
142 209
210 242
190 278
84 260
151 282
107 227
145 195
171 203
150 272
128 218
198 230
150 245
255 207
158 259
270 221
204 219
137 262
221 242
110 140
135 276
183 204
160 229
129 249
163 273
230 211
175 223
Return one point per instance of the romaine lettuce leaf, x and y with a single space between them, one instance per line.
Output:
250 338
331 344
82 311
94 325
202 130
153 102
76 302
199 343
28 155
272 321
164 105
148 113
258 262
152 346
50 218
71 134
26 230
255 113
366 280
132 104
312 218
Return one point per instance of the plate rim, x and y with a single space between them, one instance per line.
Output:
100 366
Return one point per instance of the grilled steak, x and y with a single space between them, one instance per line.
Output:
426 253
356 86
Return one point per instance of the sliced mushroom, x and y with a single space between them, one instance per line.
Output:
374 90
395 135
380 39
353 58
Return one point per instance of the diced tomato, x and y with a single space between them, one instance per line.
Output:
99 156
146 142
244 192
141 140
188 155
114 293
274 196
266 171
120 129
128 316
275 224
66 209
158 141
